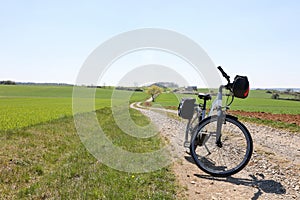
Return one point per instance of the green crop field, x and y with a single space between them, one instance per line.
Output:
23 106
258 100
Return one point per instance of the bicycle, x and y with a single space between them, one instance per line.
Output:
220 144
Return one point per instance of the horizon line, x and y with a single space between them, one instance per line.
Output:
71 84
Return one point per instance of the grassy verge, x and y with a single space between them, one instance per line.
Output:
49 161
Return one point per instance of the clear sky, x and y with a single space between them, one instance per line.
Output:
48 41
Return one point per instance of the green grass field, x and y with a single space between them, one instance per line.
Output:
49 161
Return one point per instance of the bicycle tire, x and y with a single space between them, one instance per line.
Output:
234 153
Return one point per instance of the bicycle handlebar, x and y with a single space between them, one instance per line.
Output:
224 74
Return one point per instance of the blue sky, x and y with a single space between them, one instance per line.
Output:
48 41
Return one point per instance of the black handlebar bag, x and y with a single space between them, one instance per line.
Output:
241 87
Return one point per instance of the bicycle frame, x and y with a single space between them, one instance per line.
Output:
216 105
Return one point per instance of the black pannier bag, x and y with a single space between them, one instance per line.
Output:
240 87
186 108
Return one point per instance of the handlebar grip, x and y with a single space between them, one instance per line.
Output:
224 73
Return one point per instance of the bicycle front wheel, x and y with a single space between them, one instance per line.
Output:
226 156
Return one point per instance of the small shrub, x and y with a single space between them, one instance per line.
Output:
275 96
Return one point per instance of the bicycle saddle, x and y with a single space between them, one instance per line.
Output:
204 96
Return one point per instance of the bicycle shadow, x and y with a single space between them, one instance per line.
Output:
263 185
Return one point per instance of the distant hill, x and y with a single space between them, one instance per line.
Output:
278 89
165 84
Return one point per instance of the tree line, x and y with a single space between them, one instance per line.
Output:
8 82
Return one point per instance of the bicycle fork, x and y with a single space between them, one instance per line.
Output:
221 117
220 122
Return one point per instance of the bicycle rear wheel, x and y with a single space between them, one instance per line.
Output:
226 157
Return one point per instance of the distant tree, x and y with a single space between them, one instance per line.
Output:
8 82
289 90
154 91
268 92
275 96
138 90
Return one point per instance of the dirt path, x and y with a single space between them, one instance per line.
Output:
273 172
